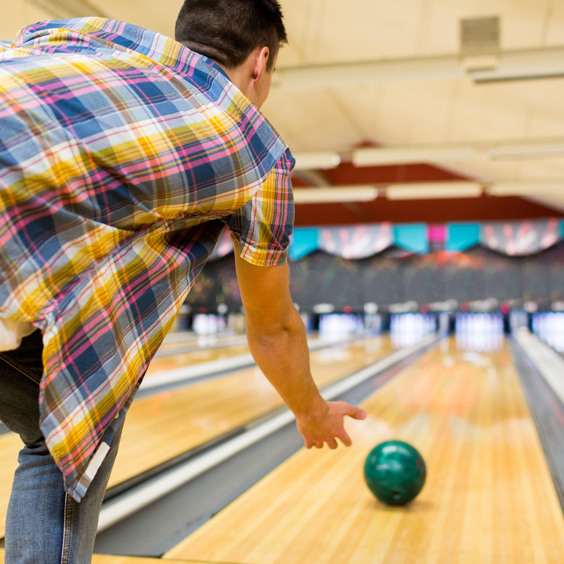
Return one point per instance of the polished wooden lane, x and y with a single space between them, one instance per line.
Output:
187 339
187 350
199 350
170 423
167 424
488 499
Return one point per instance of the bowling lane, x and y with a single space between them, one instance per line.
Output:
180 340
197 356
187 350
167 424
488 498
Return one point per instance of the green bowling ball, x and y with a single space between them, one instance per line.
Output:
395 472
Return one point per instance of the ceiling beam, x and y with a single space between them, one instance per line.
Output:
516 149
548 190
511 65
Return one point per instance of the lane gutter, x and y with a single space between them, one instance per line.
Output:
140 496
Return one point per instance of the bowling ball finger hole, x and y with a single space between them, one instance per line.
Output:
396 496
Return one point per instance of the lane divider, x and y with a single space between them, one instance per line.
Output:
547 361
192 344
194 371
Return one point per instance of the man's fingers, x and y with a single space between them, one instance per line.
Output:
345 439
332 428
332 444
356 412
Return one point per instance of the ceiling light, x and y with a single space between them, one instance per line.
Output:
528 150
356 193
426 190
524 65
414 154
527 188
319 160
495 150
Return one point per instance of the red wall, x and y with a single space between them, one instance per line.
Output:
485 208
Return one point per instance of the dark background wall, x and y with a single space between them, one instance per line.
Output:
396 276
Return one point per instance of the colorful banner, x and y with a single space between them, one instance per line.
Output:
437 233
412 238
519 238
304 242
355 242
512 238
462 236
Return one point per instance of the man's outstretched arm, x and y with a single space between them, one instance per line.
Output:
277 340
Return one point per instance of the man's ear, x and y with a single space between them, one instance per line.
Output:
260 63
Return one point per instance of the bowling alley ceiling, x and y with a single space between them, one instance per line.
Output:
451 105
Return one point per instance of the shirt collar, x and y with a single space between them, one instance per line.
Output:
213 64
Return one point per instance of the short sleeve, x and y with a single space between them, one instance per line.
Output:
261 229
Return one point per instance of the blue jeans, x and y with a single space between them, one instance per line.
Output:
44 525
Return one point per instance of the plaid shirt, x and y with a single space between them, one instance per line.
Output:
123 155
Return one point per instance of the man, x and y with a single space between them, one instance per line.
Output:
123 155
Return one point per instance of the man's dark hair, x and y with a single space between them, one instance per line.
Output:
228 30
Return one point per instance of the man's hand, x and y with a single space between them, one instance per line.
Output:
278 342
325 424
